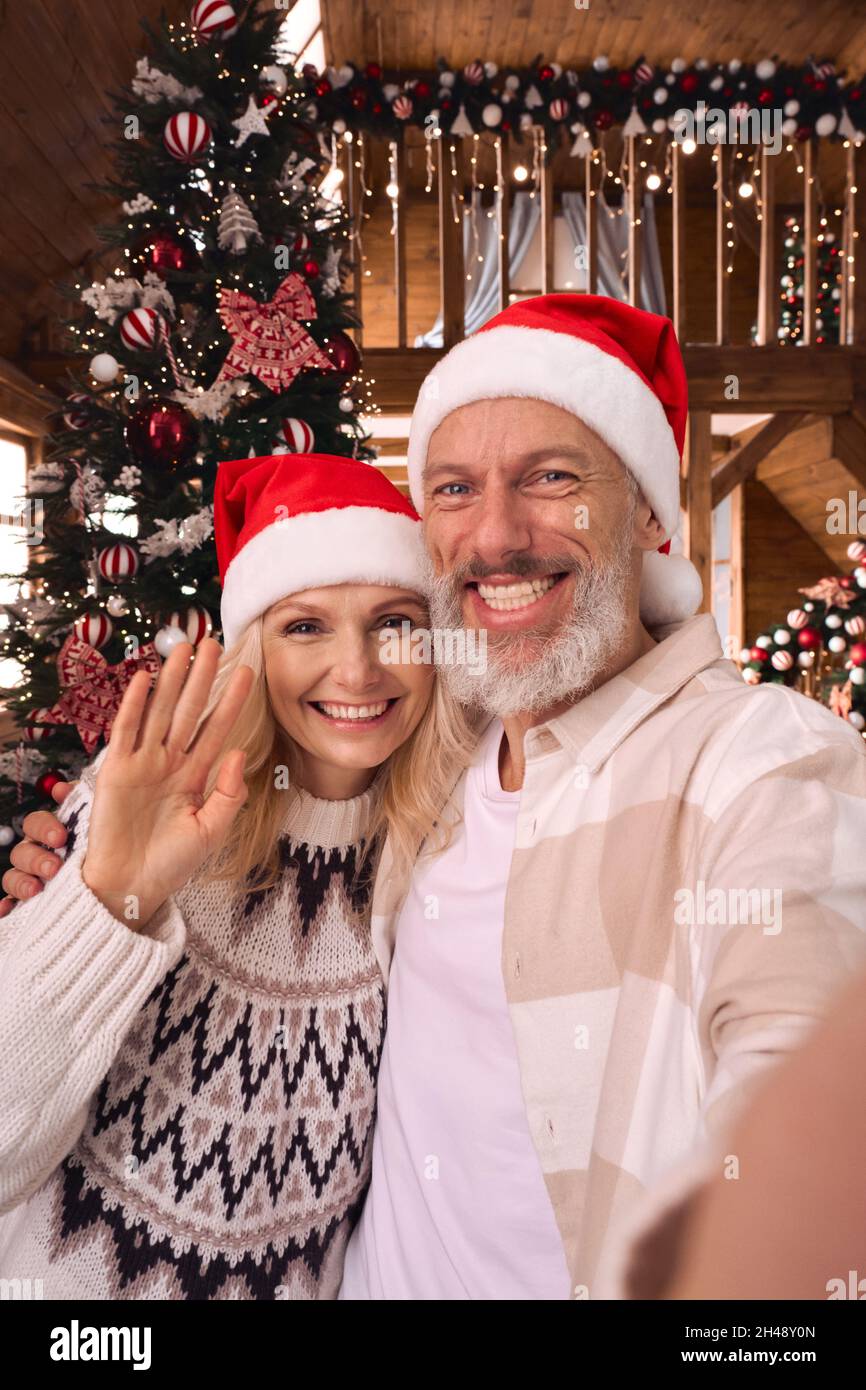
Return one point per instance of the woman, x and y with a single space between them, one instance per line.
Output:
192 1011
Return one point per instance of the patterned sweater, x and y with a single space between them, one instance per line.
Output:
186 1112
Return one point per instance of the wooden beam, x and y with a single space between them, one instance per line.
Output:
678 239
634 208
723 251
741 464
732 380
400 241
855 289
547 227
768 270
810 244
722 380
355 195
737 611
451 269
504 218
591 202
849 446
698 524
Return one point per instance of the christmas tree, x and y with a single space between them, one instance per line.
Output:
828 292
820 648
221 333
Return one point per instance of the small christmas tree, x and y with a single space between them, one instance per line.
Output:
828 289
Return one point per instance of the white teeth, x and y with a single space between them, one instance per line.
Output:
353 711
507 596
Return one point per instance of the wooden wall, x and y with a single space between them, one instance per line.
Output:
779 557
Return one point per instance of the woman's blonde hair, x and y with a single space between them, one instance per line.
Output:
408 791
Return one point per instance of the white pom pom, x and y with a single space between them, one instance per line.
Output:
670 589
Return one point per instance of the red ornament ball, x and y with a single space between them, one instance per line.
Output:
323 87
358 98
625 79
373 70
857 653
758 654
689 82
545 72
165 249
422 90
603 120
311 268
343 353
809 638
161 434
48 781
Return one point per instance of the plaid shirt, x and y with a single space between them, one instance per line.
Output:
686 894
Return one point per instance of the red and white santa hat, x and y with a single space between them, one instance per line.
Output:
616 367
288 522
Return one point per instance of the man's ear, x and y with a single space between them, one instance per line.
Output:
648 531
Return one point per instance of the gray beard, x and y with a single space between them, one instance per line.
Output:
526 672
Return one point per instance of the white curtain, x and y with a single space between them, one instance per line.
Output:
482 291
613 249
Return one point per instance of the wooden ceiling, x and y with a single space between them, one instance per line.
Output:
59 59
415 33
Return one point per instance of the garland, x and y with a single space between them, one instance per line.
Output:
811 99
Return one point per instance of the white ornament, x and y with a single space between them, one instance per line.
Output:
763 641
512 82
347 405
856 718
825 124
601 63
734 65
584 99
491 114
104 367
660 96
806 659
792 107
252 122
659 124
765 69
446 79
857 675
716 84
833 620
837 644
275 78
789 127
390 91
167 639
781 636
117 605
678 65
237 226
7 835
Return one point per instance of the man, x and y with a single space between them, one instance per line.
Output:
577 992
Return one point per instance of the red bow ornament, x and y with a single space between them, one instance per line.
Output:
269 340
92 690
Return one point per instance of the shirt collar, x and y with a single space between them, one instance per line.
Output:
592 728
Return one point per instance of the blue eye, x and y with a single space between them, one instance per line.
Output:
399 619
445 486
295 629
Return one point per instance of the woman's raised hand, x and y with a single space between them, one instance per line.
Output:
151 826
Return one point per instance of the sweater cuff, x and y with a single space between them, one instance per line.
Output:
89 970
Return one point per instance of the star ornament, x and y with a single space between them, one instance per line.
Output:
252 122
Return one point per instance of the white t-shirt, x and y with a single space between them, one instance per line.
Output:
457 1206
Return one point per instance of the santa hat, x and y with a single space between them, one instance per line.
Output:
616 367
300 521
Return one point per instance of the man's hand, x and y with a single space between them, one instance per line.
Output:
34 863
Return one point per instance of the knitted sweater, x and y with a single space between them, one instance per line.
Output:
186 1111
